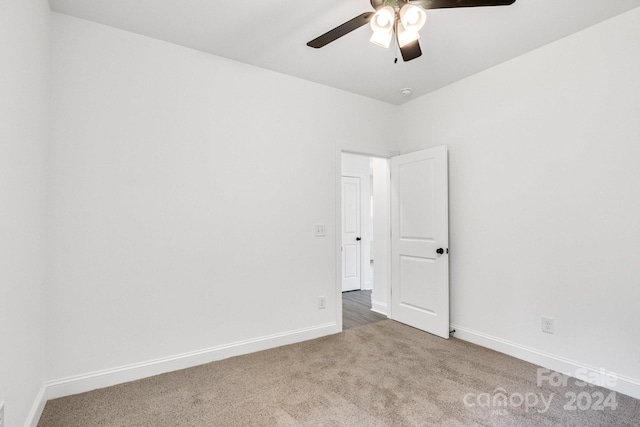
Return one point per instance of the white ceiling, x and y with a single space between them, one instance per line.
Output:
456 43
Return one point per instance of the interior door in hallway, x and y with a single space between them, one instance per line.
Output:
351 237
419 240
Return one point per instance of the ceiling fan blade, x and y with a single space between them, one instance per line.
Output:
341 30
441 4
411 51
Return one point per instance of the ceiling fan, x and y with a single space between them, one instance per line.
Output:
404 18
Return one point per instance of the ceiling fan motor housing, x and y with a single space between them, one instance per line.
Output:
396 4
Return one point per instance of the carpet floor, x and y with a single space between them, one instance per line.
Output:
383 374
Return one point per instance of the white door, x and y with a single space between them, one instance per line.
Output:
351 236
419 240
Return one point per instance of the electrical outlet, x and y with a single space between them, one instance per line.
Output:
547 324
320 231
322 304
1 414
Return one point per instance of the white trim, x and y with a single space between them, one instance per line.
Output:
622 384
36 410
108 377
379 307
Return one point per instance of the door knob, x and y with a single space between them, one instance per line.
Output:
358 239
440 251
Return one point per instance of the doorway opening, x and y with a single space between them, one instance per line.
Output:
364 192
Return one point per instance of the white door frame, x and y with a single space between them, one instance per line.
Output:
342 147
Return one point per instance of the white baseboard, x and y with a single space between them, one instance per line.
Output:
108 377
379 307
37 408
621 383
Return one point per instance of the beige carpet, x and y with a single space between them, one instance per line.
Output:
384 374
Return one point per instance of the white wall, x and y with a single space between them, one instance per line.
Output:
24 90
185 191
545 196
381 235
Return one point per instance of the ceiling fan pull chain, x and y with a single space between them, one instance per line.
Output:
395 61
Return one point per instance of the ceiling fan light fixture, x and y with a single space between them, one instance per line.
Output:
381 38
383 19
406 36
412 17
382 26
